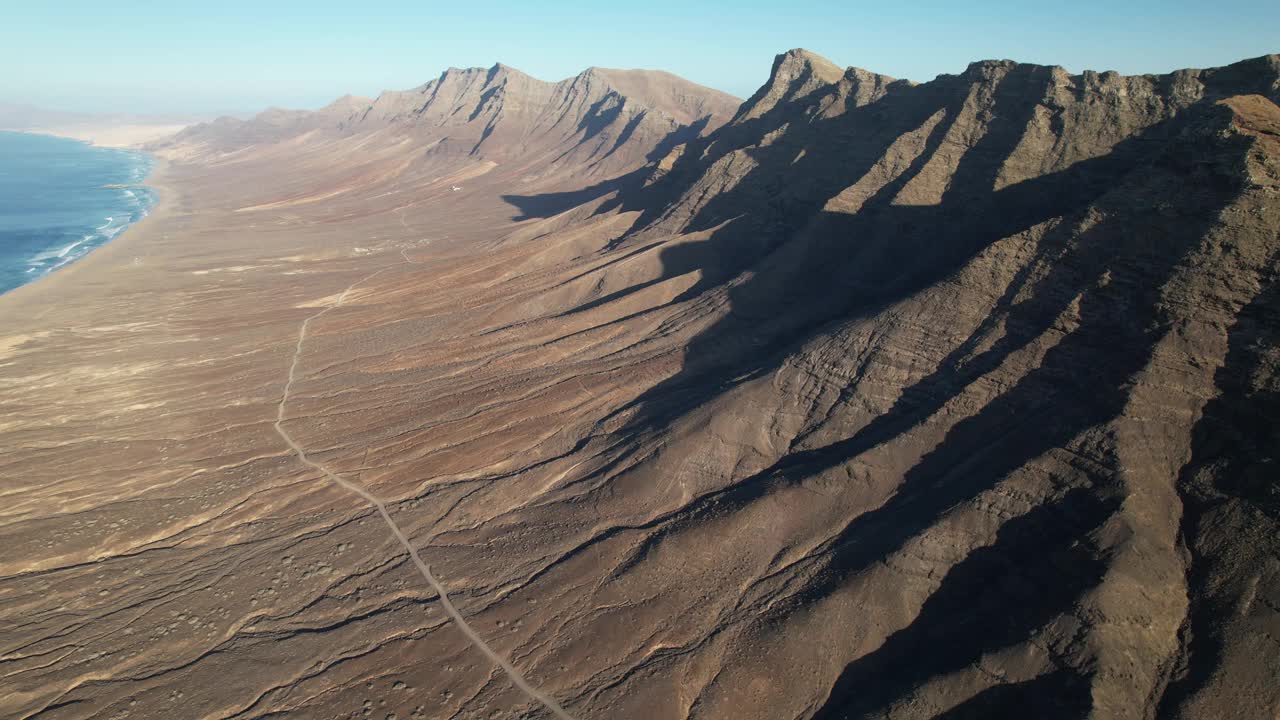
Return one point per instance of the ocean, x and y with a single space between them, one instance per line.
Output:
60 199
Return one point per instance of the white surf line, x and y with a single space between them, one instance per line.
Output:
478 642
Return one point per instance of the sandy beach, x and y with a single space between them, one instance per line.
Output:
112 135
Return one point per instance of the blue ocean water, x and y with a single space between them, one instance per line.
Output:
61 198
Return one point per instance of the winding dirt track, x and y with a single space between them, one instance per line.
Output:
516 678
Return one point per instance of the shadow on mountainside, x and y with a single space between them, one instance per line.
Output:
547 205
1039 564
813 270
1113 273
628 191
1230 487
996 702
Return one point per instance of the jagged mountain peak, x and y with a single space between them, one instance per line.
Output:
1132 216
795 153
504 68
799 58
796 74
498 73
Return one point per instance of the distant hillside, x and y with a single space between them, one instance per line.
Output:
598 124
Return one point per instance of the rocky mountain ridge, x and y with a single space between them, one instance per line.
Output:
600 123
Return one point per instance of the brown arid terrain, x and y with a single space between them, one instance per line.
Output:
609 398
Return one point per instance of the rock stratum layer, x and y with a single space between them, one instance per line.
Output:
864 399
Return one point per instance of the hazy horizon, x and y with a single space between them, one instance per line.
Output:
240 58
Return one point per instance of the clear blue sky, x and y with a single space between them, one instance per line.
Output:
238 56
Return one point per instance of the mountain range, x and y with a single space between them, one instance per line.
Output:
617 397
598 124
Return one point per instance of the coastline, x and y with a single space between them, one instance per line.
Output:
118 137
25 294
